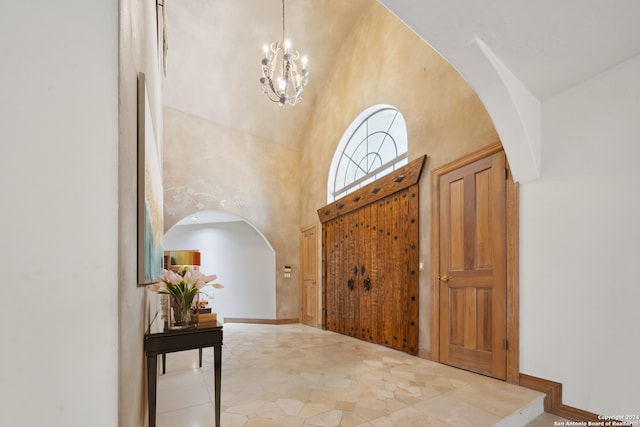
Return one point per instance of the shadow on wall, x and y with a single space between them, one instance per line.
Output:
241 257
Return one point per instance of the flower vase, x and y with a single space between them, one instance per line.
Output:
181 315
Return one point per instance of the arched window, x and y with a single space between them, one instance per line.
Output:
374 145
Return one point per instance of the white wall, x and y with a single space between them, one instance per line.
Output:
241 258
580 246
58 222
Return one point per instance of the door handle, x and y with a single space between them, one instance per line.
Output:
445 278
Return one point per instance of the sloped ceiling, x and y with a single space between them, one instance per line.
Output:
549 45
215 48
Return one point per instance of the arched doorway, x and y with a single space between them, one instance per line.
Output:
239 254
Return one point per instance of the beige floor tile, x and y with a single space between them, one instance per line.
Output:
351 419
314 408
327 419
200 415
171 399
226 420
290 407
297 376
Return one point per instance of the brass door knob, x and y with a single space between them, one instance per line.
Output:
445 278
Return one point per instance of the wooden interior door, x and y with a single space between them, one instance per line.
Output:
472 267
309 273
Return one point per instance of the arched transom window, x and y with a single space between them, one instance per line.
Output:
374 145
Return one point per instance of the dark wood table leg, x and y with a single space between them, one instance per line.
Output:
200 356
217 379
152 376
164 363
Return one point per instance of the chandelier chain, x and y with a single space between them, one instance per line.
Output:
283 21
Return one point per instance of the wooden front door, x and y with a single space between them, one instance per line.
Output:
370 261
309 270
472 266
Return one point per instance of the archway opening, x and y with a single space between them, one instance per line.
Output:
239 254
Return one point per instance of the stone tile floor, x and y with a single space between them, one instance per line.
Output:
298 376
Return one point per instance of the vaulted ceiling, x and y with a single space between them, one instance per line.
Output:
215 48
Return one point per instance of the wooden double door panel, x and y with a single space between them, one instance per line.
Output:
472 270
309 267
371 263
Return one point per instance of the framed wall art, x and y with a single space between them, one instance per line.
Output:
150 203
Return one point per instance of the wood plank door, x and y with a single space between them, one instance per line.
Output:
367 281
331 247
350 291
370 261
472 266
338 296
309 270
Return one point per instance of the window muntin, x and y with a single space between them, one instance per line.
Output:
376 147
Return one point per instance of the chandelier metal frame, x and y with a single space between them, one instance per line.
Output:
282 81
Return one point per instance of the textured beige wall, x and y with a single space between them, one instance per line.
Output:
279 188
137 54
210 167
383 62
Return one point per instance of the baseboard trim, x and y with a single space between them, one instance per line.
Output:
424 354
261 321
553 399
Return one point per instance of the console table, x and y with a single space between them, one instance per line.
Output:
159 341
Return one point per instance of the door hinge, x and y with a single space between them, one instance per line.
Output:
505 344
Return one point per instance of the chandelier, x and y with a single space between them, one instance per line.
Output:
282 80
